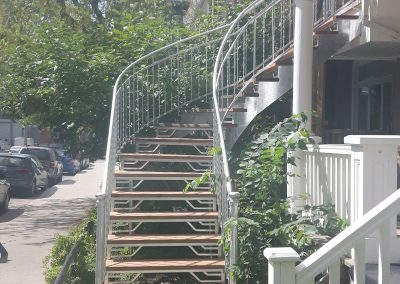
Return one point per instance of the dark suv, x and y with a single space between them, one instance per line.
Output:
49 159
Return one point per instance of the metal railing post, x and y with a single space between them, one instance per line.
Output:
233 253
100 238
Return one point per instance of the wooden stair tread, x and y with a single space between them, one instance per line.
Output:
191 126
173 141
165 239
121 173
241 95
200 126
165 265
138 216
154 194
347 17
164 157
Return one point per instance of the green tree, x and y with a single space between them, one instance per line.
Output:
59 60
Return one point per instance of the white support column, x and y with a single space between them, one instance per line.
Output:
303 58
373 178
281 265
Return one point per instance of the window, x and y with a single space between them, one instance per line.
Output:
374 103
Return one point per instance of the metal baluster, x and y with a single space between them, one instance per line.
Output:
254 45
129 126
153 93
282 26
263 36
171 82
273 33
159 90
148 94
142 112
191 75
133 107
206 90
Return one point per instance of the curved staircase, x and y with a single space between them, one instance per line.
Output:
147 224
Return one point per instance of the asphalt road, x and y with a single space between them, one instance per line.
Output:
28 228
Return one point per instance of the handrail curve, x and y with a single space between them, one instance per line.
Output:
259 36
146 90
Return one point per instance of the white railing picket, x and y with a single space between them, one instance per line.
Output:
358 254
384 252
334 272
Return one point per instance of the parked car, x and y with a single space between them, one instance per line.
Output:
70 165
5 193
15 149
25 173
48 158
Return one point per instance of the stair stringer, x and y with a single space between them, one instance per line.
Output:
269 92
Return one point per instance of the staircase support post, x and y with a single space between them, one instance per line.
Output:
281 265
302 85
303 58
100 238
233 252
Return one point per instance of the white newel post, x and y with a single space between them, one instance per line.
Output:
373 178
281 265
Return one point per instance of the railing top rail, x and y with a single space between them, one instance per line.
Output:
340 244
219 60
162 49
118 84
339 149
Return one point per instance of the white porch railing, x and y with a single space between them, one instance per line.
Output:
347 175
355 178
282 261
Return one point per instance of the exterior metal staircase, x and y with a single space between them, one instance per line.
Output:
137 207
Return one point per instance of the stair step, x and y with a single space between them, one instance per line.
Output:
165 265
266 78
347 17
184 126
191 126
197 110
154 195
164 157
164 240
241 96
144 175
164 216
174 141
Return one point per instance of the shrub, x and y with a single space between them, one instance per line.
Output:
82 268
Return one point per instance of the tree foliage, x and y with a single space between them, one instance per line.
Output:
60 59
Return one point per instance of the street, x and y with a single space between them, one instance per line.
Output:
28 228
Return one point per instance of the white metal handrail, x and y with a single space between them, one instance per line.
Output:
146 90
261 33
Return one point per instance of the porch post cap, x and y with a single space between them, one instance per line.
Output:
372 139
281 254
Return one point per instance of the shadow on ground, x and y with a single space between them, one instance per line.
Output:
11 214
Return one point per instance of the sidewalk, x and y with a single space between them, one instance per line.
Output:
28 229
